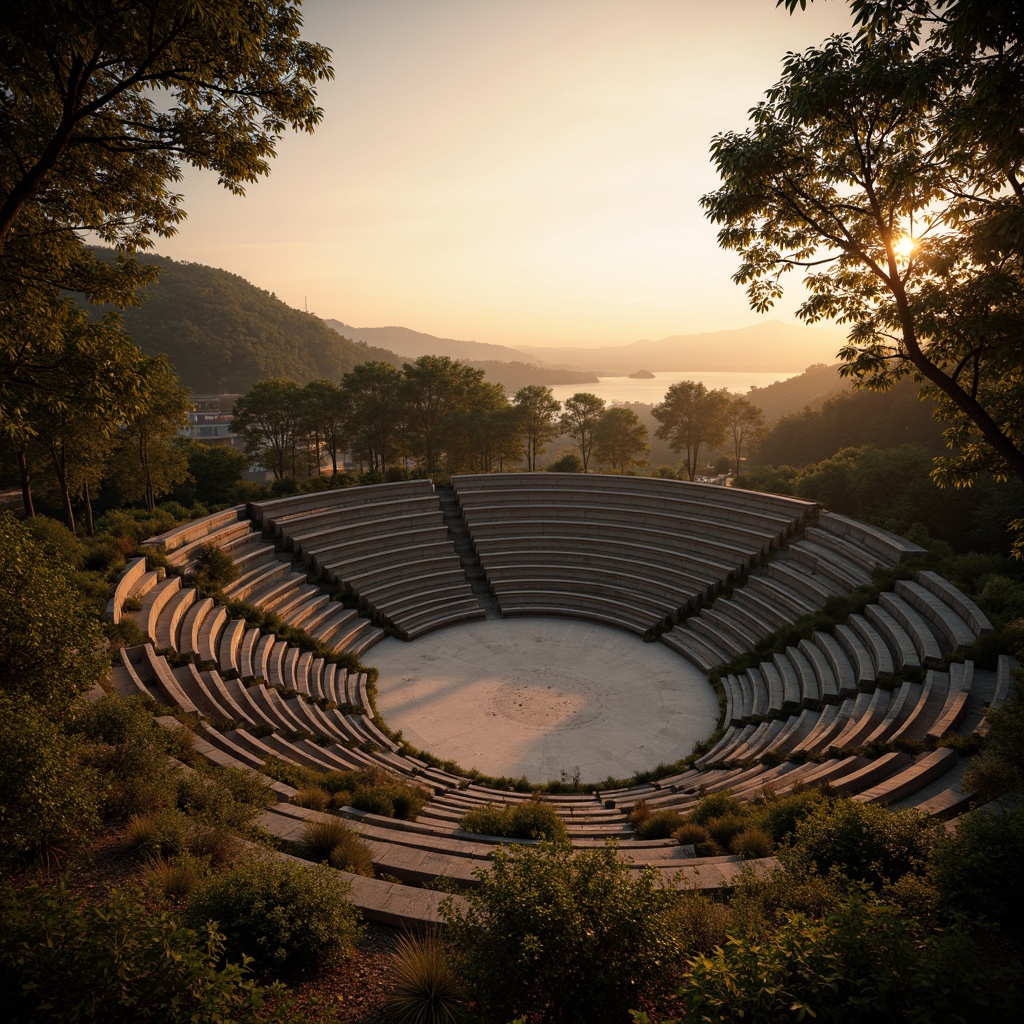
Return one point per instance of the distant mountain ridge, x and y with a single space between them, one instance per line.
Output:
762 348
222 333
765 347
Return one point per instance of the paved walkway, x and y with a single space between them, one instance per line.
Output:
539 697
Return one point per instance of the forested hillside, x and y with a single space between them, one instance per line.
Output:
851 419
223 334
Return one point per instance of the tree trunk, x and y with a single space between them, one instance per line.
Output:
89 529
26 484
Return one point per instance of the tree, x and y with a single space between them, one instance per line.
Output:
557 934
580 416
268 417
692 418
887 168
323 410
620 439
537 409
435 389
102 101
371 393
746 423
149 460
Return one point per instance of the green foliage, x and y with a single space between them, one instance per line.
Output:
863 842
51 642
176 877
56 541
132 753
714 805
536 411
620 439
119 960
212 570
864 961
330 839
659 825
977 867
425 987
752 843
873 140
48 799
567 463
529 819
692 418
287 917
225 797
562 935
369 789
581 415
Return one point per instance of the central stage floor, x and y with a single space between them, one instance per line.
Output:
539 697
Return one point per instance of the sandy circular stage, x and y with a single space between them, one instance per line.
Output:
539 697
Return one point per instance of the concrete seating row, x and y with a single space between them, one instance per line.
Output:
387 548
629 552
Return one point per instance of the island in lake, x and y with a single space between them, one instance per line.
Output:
642 375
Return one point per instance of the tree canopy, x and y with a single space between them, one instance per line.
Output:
886 167
581 414
692 418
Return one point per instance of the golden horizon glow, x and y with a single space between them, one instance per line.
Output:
509 172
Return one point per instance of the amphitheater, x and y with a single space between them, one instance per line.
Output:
561 625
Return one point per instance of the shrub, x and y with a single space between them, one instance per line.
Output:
285 916
51 640
212 570
778 815
330 839
158 834
121 961
725 828
640 813
864 842
691 834
176 877
714 805
426 989
864 961
752 843
311 797
556 934
977 868
531 819
225 798
49 799
660 825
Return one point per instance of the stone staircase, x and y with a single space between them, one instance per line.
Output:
458 533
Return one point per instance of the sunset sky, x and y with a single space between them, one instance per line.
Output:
511 171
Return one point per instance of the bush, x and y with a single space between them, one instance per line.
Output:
226 798
560 935
714 805
176 878
752 843
725 828
865 842
212 570
118 961
330 839
691 834
159 834
312 797
864 961
639 814
778 815
977 868
285 916
531 819
50 800
51 641
426 988
660 825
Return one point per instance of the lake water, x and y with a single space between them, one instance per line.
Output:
651 392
